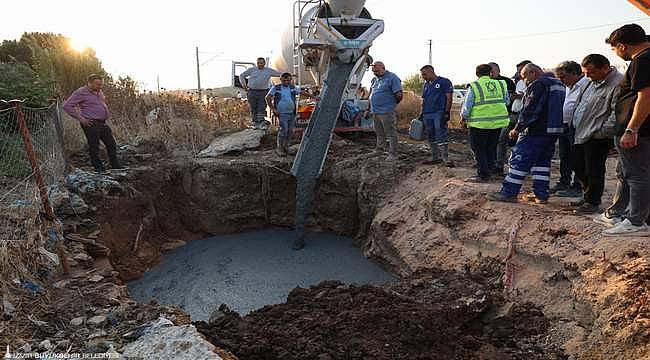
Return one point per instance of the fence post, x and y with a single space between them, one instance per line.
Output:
59 134
38 176
31 156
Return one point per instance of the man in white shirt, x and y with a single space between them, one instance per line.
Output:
570 73
517 104
256 81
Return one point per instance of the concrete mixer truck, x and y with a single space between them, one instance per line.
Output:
322 31
327 48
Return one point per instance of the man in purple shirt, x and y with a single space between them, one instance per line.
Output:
88 105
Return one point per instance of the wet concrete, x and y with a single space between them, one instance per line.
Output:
250 270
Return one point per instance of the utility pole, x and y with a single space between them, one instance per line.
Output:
198 72
158 82
430 52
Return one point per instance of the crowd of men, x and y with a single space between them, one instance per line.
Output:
586 108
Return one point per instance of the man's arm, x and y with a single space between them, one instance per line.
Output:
449 102
449 96
270 96
641 109
274 73
399 95
243 78
512 87
639 116
466 110
71 105
533 106
396 87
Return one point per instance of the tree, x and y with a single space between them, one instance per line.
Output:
57 62
19 81
15 51
414 83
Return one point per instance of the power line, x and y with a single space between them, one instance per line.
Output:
509 37
210 59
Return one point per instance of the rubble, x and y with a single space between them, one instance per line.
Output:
238 141
97 320
163 340
78 321
66 203
92 184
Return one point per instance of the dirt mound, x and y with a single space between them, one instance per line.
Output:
432 315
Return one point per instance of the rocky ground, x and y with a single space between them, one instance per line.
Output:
574 293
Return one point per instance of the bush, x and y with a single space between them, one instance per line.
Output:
19 81
414 83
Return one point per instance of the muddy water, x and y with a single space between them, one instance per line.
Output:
250 270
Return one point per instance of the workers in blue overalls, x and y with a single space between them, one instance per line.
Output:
540 123
281 99
436 107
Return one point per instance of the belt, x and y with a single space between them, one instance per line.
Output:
258 89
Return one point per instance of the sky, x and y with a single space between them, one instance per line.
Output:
149 40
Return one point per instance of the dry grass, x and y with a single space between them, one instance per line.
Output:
19 240
410 109
174 119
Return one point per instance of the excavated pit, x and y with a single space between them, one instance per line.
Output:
438 234
250 270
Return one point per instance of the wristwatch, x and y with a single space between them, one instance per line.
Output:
630 131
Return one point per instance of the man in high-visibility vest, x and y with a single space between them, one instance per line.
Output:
540 122
485 112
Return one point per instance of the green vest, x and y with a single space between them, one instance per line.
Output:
489 110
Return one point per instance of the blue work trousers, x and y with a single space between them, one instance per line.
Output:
436 126
532 154
287 122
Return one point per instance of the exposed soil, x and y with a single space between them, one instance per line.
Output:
575 293
432 315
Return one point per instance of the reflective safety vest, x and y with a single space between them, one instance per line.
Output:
489 110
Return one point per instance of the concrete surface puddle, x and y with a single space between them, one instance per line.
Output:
250 270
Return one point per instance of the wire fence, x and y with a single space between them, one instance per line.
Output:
31 162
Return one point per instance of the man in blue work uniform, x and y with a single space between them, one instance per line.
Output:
436 105
540 122
385 94
281 99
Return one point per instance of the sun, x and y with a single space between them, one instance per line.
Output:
76 45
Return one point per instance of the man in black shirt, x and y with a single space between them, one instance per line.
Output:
632 199
502 146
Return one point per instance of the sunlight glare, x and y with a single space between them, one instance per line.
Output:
76 45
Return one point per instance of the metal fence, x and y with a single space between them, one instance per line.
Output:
31 161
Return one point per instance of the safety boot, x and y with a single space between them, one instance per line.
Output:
392 150
279 148
285 146
435 155
444 154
